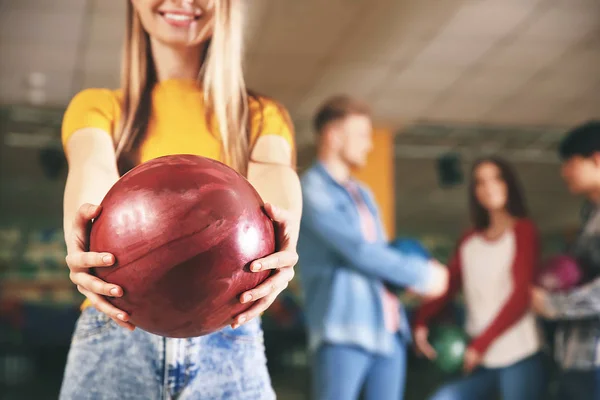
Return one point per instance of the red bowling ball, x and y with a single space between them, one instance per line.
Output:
183 230
559 273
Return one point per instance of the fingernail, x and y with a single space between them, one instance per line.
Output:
107 259
114 291
256 267
121 317
241 320
246 298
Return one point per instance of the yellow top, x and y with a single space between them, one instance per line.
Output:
177 123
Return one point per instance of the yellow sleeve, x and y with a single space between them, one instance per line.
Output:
268 117
91 108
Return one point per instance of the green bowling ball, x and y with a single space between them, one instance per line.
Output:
450 343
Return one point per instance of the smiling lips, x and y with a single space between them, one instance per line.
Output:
180 18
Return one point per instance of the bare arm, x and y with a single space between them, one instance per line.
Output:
272 174
92 171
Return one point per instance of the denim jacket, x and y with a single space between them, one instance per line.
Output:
342 275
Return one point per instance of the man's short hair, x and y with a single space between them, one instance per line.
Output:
583 140
336 108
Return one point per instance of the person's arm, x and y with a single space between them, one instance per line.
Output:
89 150
430 309
92 171
88 145
584 301
272 174
371 258
271 171
526 260
580 303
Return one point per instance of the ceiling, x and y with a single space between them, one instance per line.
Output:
514 64
518 62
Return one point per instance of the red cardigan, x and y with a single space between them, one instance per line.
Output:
523 268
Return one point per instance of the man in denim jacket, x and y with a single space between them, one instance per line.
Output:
356 327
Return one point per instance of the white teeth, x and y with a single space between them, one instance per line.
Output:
179 17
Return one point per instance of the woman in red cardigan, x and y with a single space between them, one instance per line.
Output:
494 266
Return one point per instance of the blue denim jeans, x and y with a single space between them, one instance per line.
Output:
523 380
341 372
108 362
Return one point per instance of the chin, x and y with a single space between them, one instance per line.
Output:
357 165
494 207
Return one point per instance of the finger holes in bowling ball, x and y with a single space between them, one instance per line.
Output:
92 324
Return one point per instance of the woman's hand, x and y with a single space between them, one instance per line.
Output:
422 344
80 261
539 303
472 360
283 261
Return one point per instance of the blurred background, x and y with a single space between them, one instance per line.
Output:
447 80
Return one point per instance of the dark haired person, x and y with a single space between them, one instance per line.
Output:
494 266
577 313
356 328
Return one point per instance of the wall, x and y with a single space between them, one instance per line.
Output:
378 174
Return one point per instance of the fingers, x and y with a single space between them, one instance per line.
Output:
278 214
102 305
94 288
274 284
426 349
79 261
95 285
280 259
78 238
85 260
259 307
263 295
468 366
423 346
472 360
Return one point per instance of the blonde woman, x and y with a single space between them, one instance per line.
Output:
182 92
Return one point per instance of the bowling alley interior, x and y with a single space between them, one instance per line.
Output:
479 118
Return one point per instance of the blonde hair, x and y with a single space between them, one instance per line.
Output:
221 77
